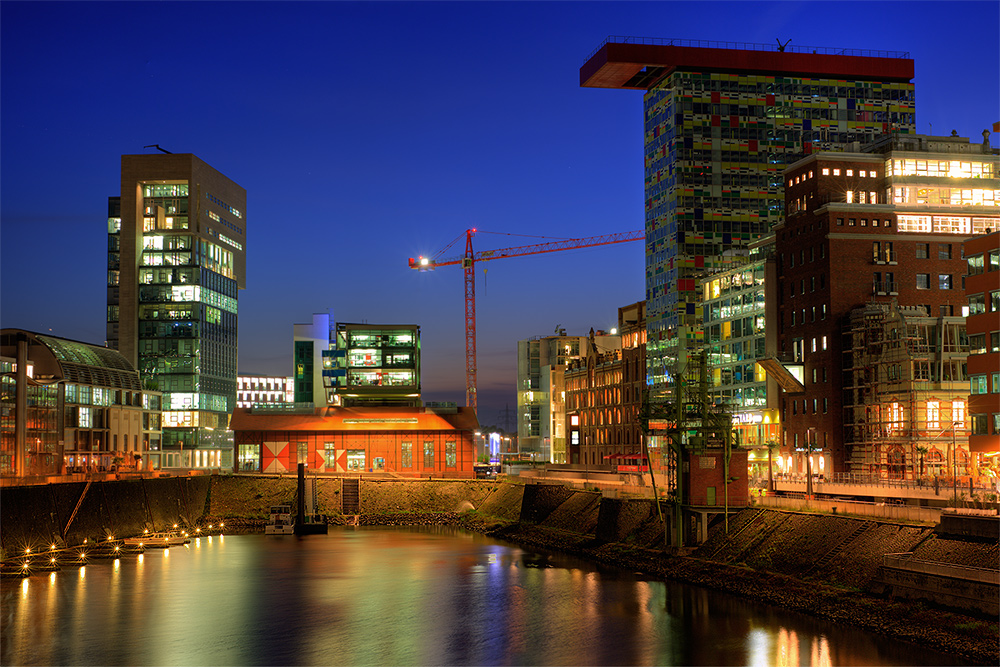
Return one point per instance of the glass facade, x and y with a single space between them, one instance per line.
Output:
733 313
376 364
187 321
715 148
41 452
179 246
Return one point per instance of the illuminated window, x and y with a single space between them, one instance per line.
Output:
836 172
933 414
407 455
428 455
450 458
850 172
958 413
849 196
895 417
826 171
574 420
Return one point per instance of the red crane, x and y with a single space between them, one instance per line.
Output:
468 262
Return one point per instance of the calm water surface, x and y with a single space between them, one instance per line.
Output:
400 597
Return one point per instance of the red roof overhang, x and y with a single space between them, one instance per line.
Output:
623 65
332 419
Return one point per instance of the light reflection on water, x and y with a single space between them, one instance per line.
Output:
399 597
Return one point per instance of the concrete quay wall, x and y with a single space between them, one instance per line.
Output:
70 513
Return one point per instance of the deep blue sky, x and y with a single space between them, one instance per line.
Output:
367 133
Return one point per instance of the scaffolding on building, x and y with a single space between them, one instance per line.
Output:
905 391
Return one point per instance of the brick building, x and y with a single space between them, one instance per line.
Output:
982 286
604 393
886 226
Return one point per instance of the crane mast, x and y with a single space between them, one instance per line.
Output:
468 262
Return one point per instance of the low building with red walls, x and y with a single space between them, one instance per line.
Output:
408 441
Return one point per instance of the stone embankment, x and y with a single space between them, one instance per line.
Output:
821 565
817 564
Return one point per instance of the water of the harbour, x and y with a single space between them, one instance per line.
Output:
363 596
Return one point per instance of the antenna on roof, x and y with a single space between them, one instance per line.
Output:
157 147
781 47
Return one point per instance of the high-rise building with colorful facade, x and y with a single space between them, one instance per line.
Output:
176 260
721 123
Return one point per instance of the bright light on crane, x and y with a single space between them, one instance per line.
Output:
468 261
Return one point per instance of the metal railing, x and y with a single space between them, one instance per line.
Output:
905 561
866 479
747 46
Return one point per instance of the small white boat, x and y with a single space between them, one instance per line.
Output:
280 521
160 540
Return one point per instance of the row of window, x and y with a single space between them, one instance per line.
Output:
977 343
978 384
852 222
945 281
981 263
802 318
979 303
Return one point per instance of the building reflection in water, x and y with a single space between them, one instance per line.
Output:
373 597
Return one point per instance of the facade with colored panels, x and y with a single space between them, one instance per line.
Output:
982 288
412 442
720 126
176 260
884 226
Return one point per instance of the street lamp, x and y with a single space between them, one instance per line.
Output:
809 478
954 466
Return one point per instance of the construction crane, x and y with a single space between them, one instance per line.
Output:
468 262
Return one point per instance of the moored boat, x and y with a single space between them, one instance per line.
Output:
279 521
158 540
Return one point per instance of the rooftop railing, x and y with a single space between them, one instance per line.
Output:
747 46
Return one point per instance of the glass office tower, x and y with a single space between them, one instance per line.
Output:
176 259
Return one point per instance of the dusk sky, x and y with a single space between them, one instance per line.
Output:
368 133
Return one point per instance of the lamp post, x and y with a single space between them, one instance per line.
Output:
954 466
809 478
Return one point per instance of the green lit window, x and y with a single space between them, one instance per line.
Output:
450 456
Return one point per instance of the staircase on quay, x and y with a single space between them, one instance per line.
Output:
350 496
